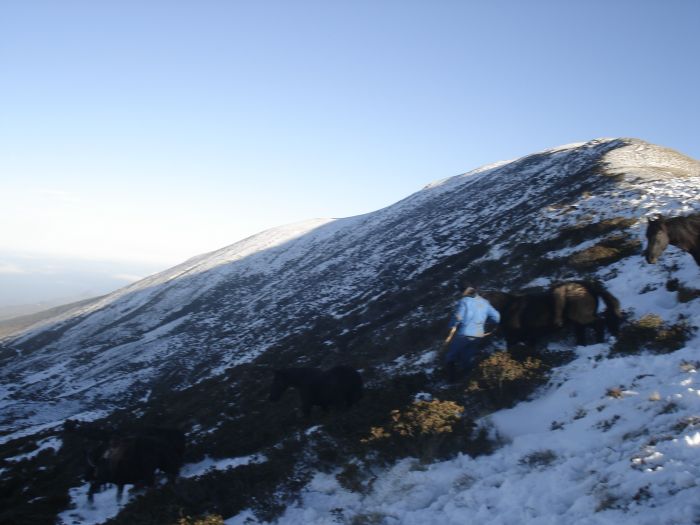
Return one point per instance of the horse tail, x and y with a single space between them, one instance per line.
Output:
613 312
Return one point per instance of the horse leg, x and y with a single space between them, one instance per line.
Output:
511 341
516 336
522 351
150 478
451 369
559 297
172 473
580 331
531 340
600 330
94 487
613 323
120 492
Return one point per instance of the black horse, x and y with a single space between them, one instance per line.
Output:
341 386
133 456
130 460
683 232
527 317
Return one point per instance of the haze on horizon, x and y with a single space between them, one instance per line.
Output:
136 135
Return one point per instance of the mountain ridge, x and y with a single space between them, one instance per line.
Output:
252 267
372 291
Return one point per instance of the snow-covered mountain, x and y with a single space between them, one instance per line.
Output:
372 290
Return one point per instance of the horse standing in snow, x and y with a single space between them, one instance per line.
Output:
577 302
525 318
135 459
683 232
341 386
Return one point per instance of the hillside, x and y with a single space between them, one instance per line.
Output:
612 437
193 346
13 324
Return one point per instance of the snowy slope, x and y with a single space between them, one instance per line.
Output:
227 307
573 454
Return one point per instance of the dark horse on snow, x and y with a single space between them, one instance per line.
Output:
341 386
526 317
683 232
135 458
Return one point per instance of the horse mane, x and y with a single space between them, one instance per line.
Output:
684 231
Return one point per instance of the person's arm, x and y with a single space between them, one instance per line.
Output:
494 314
455 321
458 315
449 337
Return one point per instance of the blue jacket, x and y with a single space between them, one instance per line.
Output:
471 314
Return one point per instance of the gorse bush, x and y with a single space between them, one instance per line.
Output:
209 519
651 333
501 369
427 417
422 430
502 380
422 418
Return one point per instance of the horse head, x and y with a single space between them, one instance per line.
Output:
657 238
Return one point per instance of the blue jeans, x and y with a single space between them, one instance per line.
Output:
462 350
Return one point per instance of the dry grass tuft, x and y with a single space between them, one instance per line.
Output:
211 519
606 252
651 333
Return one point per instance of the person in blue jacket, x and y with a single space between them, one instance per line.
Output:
467 330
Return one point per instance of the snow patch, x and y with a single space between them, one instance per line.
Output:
209 465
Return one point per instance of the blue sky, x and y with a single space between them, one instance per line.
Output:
154 131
